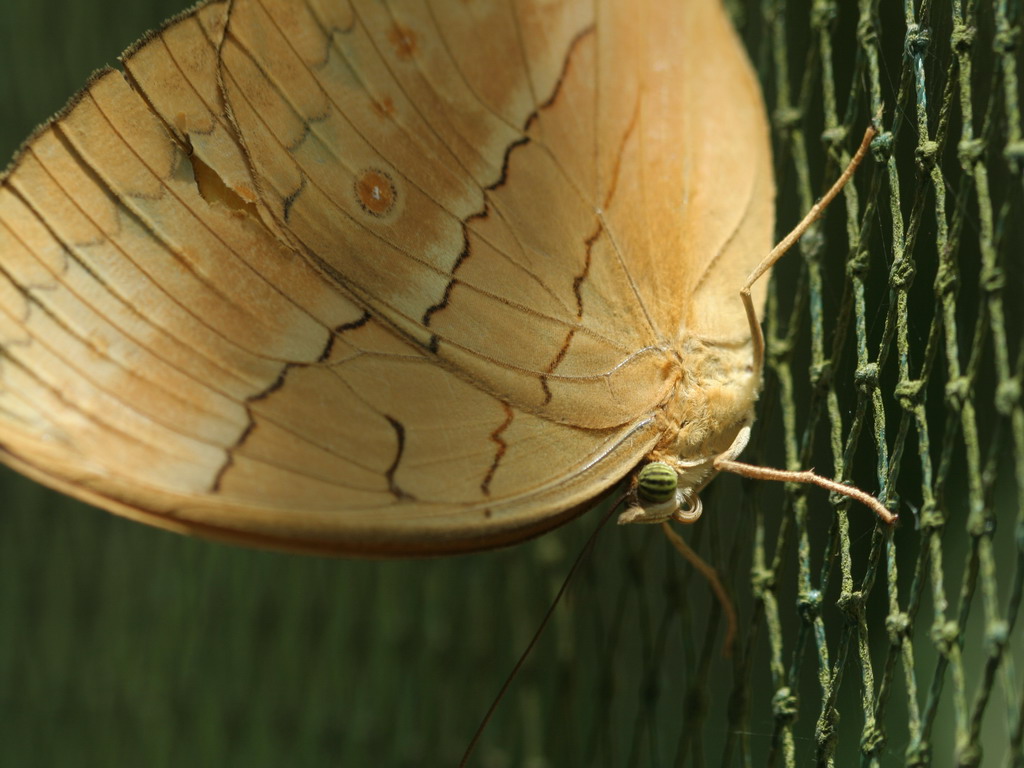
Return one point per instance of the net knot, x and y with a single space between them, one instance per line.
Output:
969 152
820 374
926 153
809 605
946 636
968 755
947 279
957 392
981 522
778 349
795 490
881 146
996 637
873 739
823 13
1014 150
857 265
901 274
867 34
917 40
932 518
762 580
898 626
825 733
1007 396
784 705
1005 40
919 755
962 37
788 118
811 243
852 604
840 500
834 137
992 279
909 393
866 377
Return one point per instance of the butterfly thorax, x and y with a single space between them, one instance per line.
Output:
714 399
712 402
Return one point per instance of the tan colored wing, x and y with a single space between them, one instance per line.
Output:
369 277
685 162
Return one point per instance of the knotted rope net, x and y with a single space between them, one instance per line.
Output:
895 360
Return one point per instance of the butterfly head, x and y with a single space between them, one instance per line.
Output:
662 492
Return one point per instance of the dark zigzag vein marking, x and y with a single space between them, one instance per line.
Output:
495 436
263 394
577 284
463 255
329 347
390 473
555 363
583 33
292 197
434 341
354 324
484 212
307 129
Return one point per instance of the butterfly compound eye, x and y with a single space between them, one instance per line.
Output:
657 483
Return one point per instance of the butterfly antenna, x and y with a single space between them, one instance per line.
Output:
789 241
711 575
587 547
726 462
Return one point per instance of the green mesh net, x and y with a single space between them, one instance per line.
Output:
895 360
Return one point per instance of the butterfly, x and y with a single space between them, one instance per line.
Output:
392 279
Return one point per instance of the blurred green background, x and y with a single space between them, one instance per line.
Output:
124 646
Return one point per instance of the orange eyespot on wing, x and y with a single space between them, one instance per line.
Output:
376 192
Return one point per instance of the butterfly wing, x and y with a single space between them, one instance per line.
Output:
343 277
687 164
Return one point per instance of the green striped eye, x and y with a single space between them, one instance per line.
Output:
657 483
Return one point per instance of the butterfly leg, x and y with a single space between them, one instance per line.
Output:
808 477
709 573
